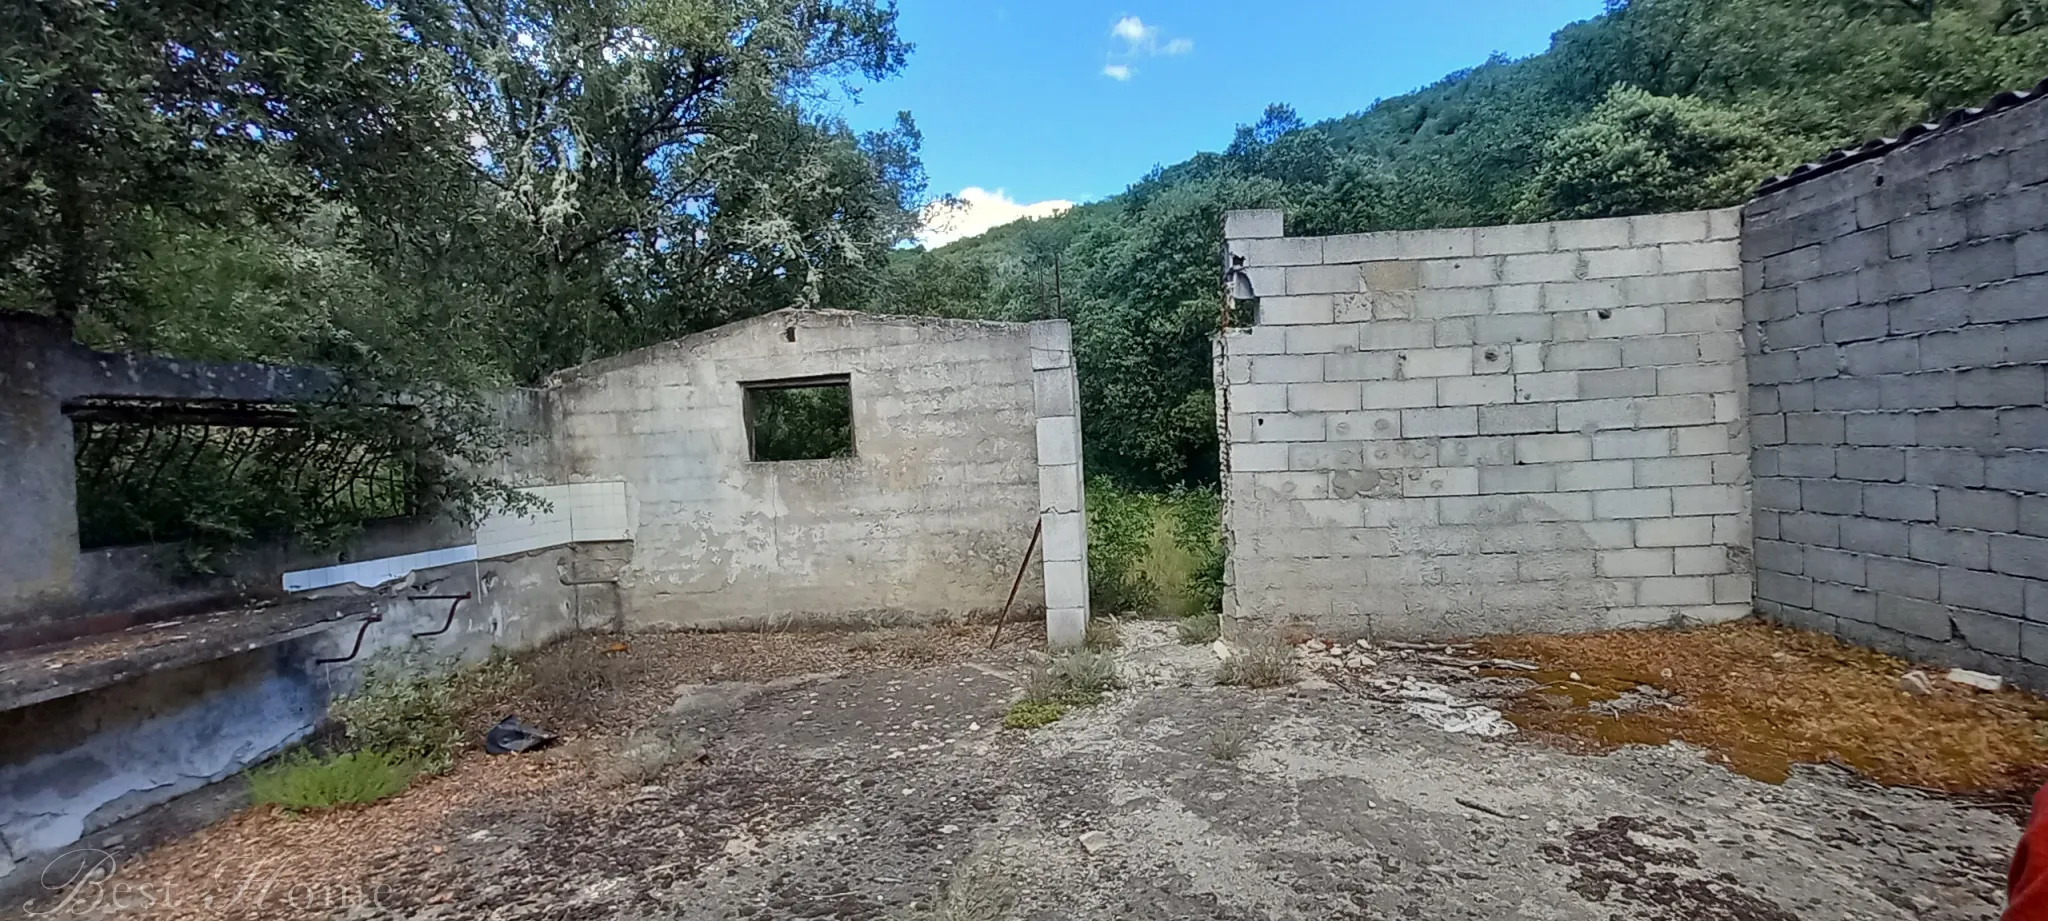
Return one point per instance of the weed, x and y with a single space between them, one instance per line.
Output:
1229 744
300 780
1084 670
423 719
1200 630
974 893
1154 554
1102 634
1263 662
575 682
647 756
1034 714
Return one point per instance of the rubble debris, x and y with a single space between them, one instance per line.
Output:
1481 807
1915 683
1438 706
1978 680
1094 841
514 735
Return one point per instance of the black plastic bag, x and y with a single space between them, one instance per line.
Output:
513 735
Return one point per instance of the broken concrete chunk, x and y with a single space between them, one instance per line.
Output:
1094 841
1222 649
1915 683
1978 680
1315 645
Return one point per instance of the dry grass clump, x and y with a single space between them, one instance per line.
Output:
1763 698
1260 661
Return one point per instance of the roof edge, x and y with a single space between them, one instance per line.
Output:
1843 157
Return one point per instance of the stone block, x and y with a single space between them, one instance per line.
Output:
1059 440
1325 397
1648 229
1632 503
1439 423
1983 591
1790 590
1620 382
1950 547
1284 369
1065 536
1913 616
1321 279
1253 225
1898 502
1551 387
1535 268
2020 556
1513 419
1454 362
1696 379
1394 394
1844 602
2024 471
1372 425
1586 476
1248 457
1974 263
1617 445
1476 391
1359 366
1470 272
1397 334
1582 356
1287 427
1282 251
1674 532
1511 238
1423 482
1551 449
1618 263
1296 309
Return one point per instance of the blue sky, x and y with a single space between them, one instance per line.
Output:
1025 97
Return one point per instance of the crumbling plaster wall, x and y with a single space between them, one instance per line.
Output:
1453 432
1898 332
927 520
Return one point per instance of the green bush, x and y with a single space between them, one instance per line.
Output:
1034 714
422 719
1155 554
1076 679
301 780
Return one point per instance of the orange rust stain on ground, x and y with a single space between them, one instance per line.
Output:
1763 698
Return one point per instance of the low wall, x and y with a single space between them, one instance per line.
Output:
1452 432
1898 332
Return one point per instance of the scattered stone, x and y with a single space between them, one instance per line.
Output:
1094 841
1222 649
1315 645
1915 683
1978 680
1313 685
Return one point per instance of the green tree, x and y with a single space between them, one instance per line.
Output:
1638 153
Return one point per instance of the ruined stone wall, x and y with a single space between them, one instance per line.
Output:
1451 432
1897 317
928 519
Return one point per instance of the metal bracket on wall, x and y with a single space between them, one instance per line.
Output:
455 601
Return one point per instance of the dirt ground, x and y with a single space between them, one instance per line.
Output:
868 778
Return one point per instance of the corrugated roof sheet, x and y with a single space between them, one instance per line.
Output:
1846 156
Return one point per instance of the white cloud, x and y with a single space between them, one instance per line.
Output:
1134 30
1140 41
979 210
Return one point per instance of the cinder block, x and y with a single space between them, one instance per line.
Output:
1416 363
1254 340
1815 428
1423 482
1535 268
1462 391
1873 464
2024 471
1378 425
1700 257
1287 426
1281 251
1826 564
1902 577
1624 322
1899 277
1435 244
1059 488
1258 398
1889 356
1845 602
1511 238
1958 428
1065 536
1621 382
1512 328
1514 419
1490 359
1942 308
1552 449
1453 302
1630 564
1251 225
1990 633
1618 263
1795 591
1248 457
1937 467
1582 356
2019 556
1911 615
1825 293
1059 440
1984 591
1553 386
1632 503
1329 397
1053 393
1292 484
1596 415
1439 423
1720 316
1454 331
1884 538
1597 475
1950 547
1393 394
1321 279
1660 350
1831 497
1701 561
1601 233
2020 385
1517 478
1066 583
1706 500
2019 299
1879 429
1979 509
1285 369
1674 471
1811 529
1359 366
1578 296
1671 411
1696 379
1632 444
1779 556
1974 263
1471 272
1361 247
1397 334
1684 227
1296 309
1851 324
1676 590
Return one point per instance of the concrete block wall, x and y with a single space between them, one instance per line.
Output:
1062 498
1452 432
1897 324
927 520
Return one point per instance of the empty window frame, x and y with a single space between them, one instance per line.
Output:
808 418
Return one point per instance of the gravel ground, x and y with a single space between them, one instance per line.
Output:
856 792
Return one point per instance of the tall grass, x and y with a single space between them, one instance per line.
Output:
1154 554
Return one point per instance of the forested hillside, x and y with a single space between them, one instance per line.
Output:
1656 105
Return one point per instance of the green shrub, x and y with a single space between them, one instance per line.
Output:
1155 554
1076 679
1262 662
422 719
301 780
1119 531
1034 714
1198 531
